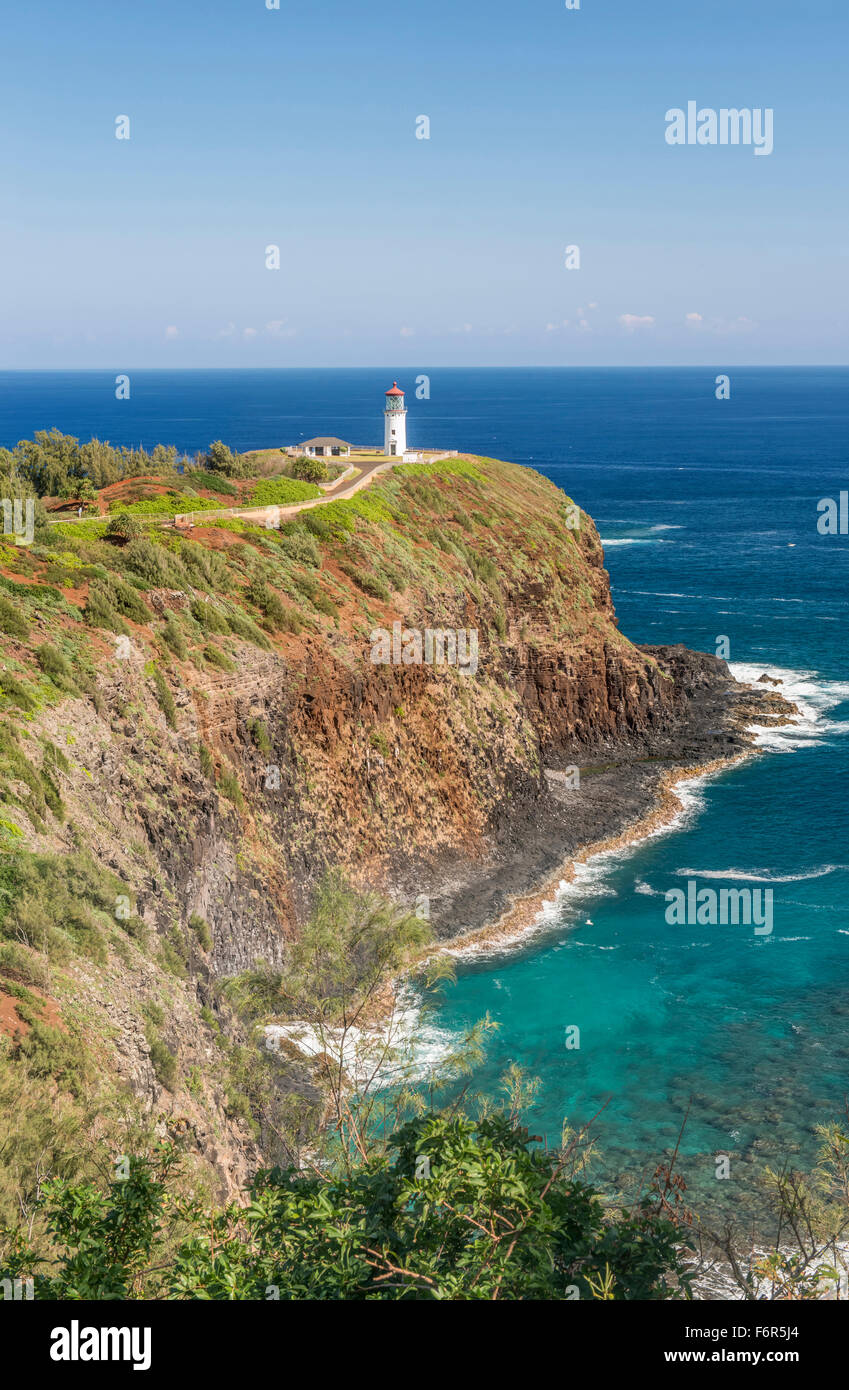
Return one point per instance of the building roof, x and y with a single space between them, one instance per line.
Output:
328 440
394 390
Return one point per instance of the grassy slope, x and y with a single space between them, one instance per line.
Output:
460 543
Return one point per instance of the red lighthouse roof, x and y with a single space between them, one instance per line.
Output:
394 390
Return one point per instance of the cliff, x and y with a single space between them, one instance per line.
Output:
196 727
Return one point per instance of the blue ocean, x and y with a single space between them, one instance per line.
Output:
708 512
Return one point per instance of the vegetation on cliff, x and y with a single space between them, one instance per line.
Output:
192 734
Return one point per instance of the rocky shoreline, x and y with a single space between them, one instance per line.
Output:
626 791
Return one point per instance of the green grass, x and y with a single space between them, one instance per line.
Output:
211 482
169 504
281 492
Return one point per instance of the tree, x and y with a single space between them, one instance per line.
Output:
124 527
456 1210
309 470
220 459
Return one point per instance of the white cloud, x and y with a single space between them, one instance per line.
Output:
172 331
720 327
407 332
226 332
248 332
278 328
630 322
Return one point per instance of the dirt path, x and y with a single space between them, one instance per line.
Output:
345 488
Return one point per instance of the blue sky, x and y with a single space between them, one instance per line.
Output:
296 127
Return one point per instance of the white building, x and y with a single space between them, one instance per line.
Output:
395 422
324 444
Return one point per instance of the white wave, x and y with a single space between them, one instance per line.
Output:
762 876
813 697
403 1048
640 886
632 540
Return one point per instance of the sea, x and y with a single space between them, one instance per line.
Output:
714 1041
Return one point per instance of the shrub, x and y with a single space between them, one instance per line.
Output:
129 603
18 693
216 657
284 618
207 765
201 929
123 527
99 612
154 565
212 482
259 734
162 1060
165 698
369 583
243 626
173 637
311 470
12 621
300 546
228 785
207 616
56 666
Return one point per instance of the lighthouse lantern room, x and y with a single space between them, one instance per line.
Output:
395 417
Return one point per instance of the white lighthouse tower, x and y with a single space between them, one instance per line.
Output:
395 417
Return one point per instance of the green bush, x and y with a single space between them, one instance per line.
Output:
492 1218
201 929
17 692
99 610
12 621
207 616
259 733
56 665
123 527
216 657
369 583
228 785
154 565
173 637
310 470
162 1060
165 698
300 546
211 482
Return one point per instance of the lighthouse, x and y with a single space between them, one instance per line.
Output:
395 416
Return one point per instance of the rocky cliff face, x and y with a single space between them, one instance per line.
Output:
296 751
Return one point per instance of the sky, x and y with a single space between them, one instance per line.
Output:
252 127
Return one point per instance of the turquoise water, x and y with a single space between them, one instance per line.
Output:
708 511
